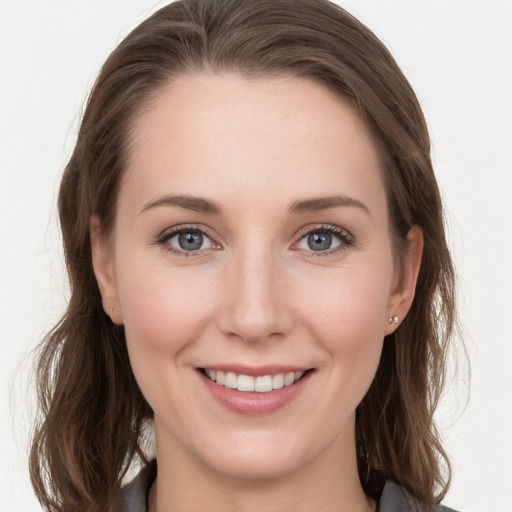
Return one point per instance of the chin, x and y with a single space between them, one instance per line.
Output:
257 464
265 453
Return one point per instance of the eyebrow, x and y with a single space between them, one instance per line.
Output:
196 204
325 203
202 205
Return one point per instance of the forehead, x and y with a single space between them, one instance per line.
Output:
221 132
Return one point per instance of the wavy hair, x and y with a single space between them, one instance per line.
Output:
91 409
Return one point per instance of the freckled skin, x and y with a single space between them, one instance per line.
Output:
257 293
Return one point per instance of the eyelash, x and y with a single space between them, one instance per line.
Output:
345 238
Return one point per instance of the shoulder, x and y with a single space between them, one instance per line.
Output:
396 499
133 496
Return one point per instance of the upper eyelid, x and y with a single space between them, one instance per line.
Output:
311 228
170 232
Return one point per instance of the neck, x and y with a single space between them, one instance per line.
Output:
329 483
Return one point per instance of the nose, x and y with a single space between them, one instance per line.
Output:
255 303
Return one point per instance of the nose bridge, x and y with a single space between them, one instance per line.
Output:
256 305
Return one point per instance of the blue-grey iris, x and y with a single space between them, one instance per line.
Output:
319 241
190 241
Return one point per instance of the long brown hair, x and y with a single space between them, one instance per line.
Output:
92 411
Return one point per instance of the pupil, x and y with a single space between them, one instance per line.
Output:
319 241
190 241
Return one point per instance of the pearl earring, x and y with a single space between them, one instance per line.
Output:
393 320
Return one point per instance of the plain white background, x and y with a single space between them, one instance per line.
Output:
458 56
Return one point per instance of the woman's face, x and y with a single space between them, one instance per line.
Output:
251 247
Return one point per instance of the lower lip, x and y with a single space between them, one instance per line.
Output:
252 402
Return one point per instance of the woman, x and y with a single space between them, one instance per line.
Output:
258 267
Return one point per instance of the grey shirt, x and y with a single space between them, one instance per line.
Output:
393 499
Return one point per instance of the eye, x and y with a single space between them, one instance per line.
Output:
325 239
190 241
319 241
186 241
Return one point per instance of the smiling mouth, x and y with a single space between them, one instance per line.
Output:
247 383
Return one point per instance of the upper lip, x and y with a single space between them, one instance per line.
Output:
256 371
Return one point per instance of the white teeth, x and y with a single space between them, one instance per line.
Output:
231 380
289 378
262 384
278 381
245 383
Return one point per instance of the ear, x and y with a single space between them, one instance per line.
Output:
402 295
103 266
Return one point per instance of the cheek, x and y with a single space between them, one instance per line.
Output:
348 318
352 301
163 309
